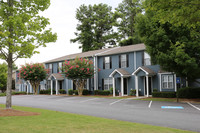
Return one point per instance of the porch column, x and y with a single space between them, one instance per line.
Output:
122 86
113 87
136 86
56 87
51 87
27 89
147 83
175 85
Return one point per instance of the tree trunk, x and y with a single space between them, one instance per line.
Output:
9 82
79 85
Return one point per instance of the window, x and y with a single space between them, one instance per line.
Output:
107 62
108 83
123 61
147 59
50 68
167 81
59 67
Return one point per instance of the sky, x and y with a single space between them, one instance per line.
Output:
62 21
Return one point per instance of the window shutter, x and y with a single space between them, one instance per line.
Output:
119 61
143 59
103 62
102 84
127 60
110 62
58 67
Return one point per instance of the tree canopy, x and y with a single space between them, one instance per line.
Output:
174 47
95 28
34 73
22 31
3 76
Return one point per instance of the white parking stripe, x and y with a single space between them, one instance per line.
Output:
88 100
64 99
150 104
116 101
193 106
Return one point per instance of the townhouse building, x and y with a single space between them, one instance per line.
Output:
122 68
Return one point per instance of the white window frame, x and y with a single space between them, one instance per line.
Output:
107 62
147 59
60 67
108 82
167 79
123 61
51 68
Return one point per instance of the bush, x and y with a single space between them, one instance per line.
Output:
85 92
132 92
188 92
62 91
75 92
2 94
48 91
70 92
155 90
102 92
19 93
164 94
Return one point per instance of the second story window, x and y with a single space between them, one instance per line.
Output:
107 62
50 68
59 67
123 61
147 59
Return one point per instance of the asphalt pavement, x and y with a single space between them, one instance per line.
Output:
185 116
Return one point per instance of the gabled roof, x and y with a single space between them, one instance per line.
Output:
147 70
56 76
101 52
122 72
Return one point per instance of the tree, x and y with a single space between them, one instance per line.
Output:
22 31
3 76
171 46
126 13
78 70
34 73
95 28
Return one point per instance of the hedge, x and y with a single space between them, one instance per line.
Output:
188 92
164 94
48 91
102 92
132 92
85 92
62 91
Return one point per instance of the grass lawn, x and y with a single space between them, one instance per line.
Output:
60 122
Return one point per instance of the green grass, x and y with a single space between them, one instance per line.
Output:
159 99
60 122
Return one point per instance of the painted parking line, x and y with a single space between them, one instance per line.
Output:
67 98
193 106
88 100
172 107
116 101
150 104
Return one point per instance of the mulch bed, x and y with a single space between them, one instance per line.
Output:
12 112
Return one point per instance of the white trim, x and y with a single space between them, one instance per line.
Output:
147 85
160 82
136 86
139 68
56 87
113 87
122 86
51 87
175 85
144 85
51 76
87 84
111 75
151 84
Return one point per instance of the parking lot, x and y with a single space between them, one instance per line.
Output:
168 114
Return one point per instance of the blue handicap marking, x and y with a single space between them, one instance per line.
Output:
172 107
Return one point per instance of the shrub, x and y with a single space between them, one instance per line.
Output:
62 91
2 94
111 90
132 92
48 91
70 92
164 94
102 92
155 90
19 93
188 92
85 92
75 92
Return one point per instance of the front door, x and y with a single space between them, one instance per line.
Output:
145 86
125 86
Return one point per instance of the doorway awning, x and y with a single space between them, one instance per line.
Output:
56 76
120 72
145 71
